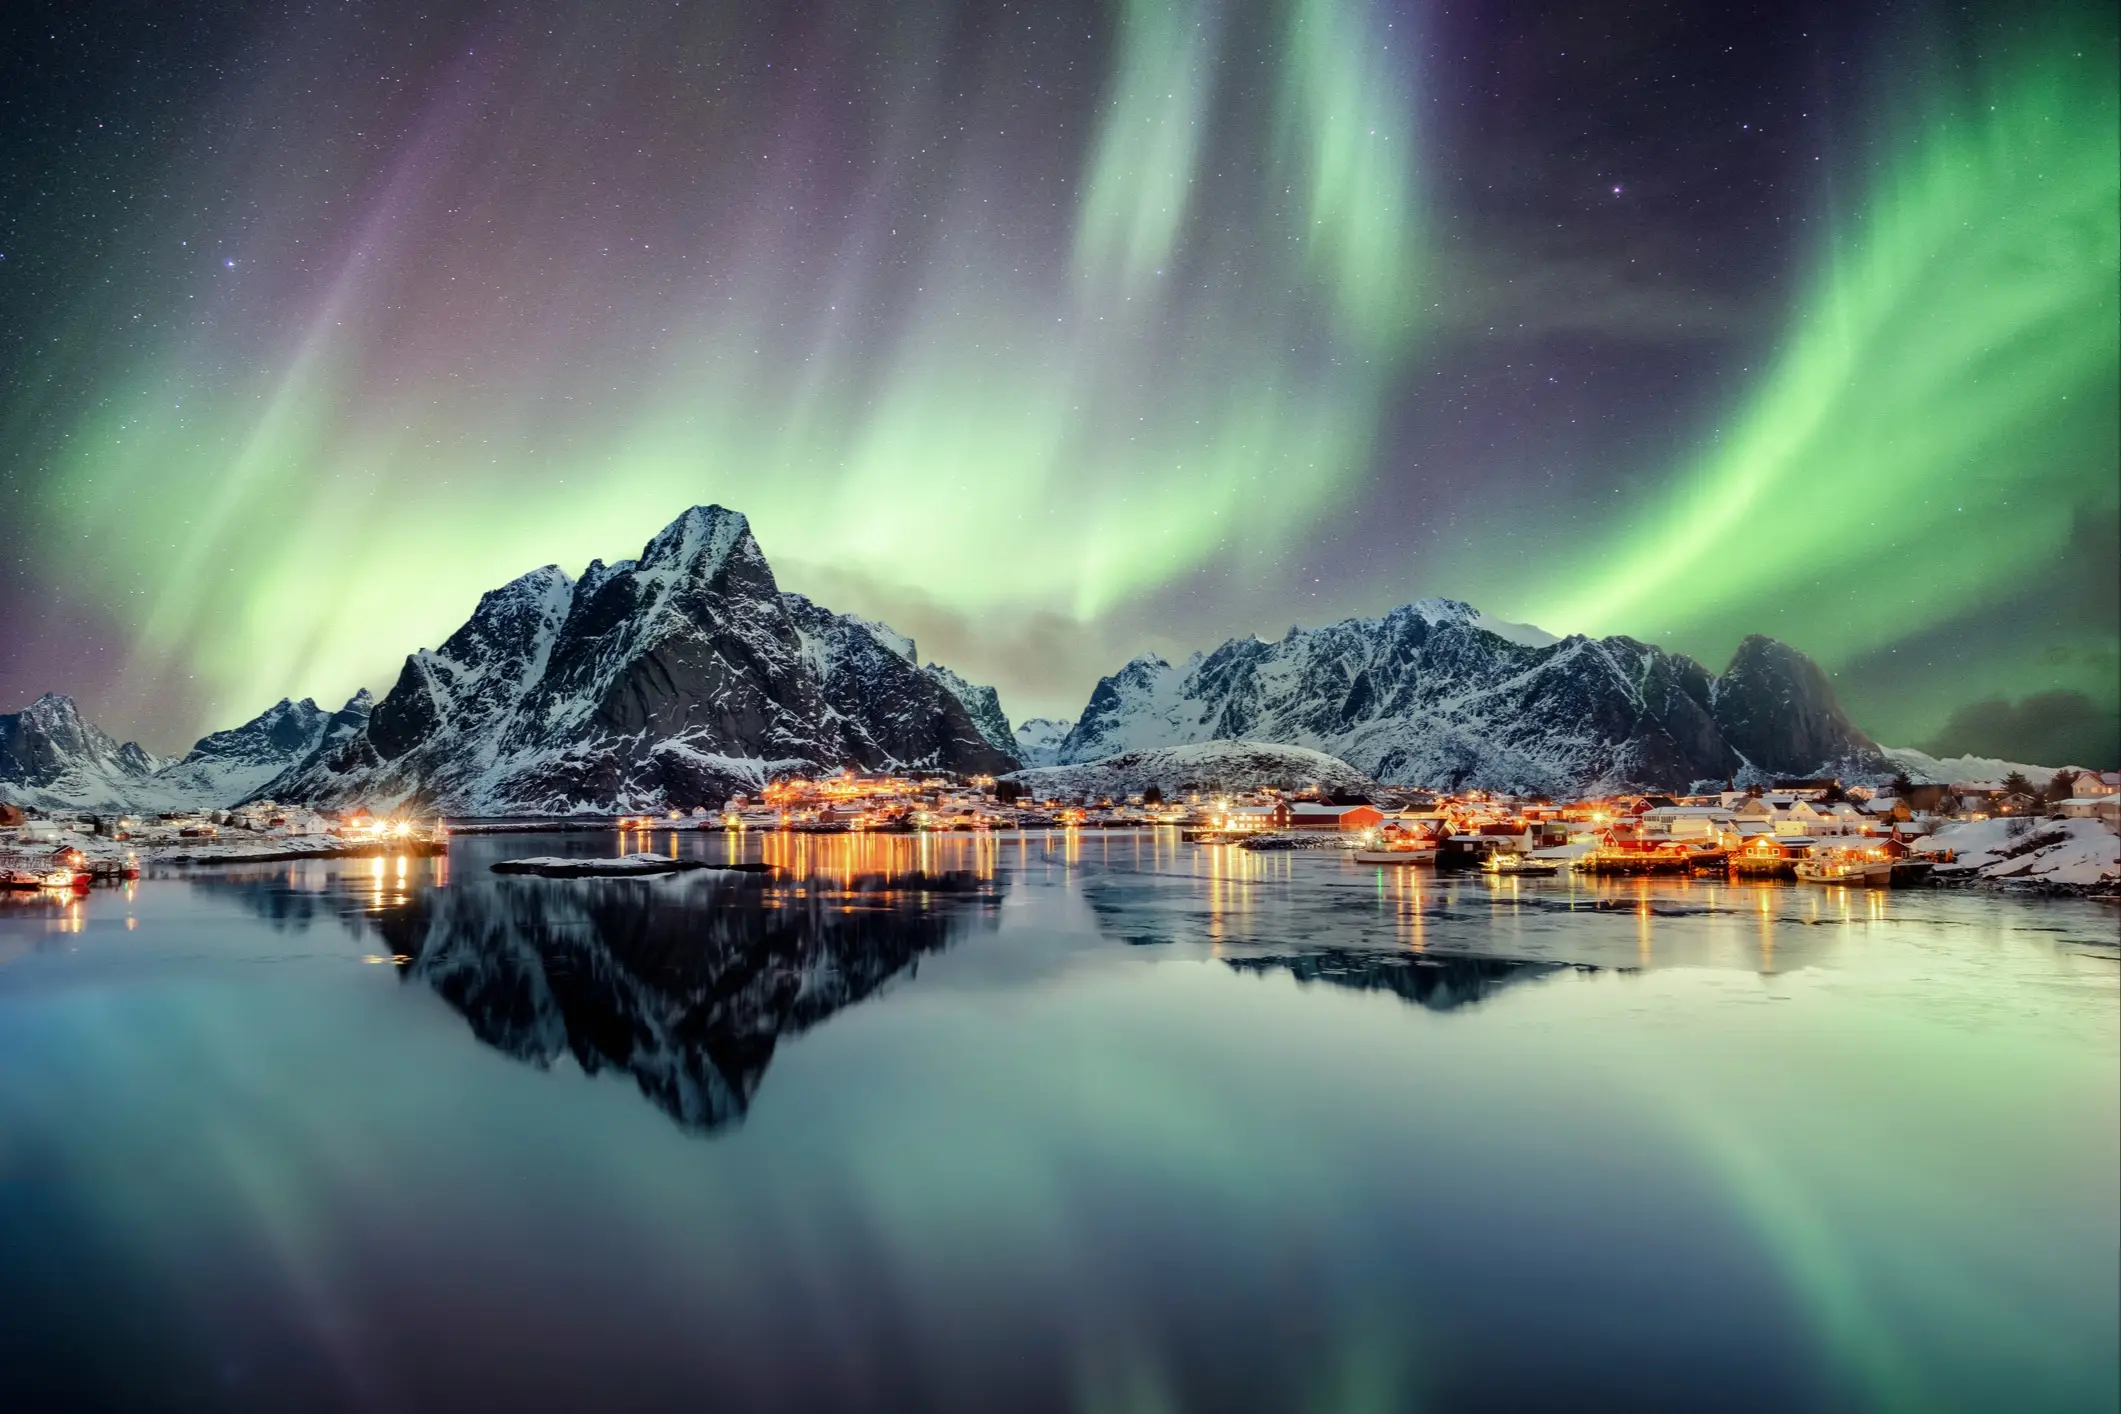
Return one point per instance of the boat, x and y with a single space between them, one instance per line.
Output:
23 869
1507 865
1422 855
1847 868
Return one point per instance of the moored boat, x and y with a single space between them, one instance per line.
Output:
1425 855
1510 865
21 869
1861 869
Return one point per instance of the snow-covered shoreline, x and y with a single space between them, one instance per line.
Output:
2079 858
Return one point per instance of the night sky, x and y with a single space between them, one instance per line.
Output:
1052 334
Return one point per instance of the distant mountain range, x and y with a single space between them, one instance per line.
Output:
1205 765
1431 695
685 674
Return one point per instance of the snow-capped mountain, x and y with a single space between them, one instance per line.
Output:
51 759
1205 766
1038 741
669 680
1428 695
234 765
1925 769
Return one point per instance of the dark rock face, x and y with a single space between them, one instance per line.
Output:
1426 696
983 706
666 681
1777 710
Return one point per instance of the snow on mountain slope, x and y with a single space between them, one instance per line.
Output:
1202 766
52 759
1427 695
228 766
673 679
1925 769
1038 740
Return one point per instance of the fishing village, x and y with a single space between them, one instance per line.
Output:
2060 834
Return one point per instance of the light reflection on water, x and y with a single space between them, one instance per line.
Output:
1084 1121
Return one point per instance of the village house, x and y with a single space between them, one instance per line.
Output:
1253 818
1688 822
1315 815
2105 807
1885 808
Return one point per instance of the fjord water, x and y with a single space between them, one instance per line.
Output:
1101 1122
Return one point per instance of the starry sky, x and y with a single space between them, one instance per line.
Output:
1056 333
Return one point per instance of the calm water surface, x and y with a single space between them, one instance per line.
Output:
1106 1123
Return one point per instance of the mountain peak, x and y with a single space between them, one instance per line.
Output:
699 542
1442 611
675 678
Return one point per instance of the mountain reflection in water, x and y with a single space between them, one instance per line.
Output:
686 983
1436 982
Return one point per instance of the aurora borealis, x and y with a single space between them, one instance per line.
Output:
1051 334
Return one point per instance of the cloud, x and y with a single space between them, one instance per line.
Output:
2053 728
1042 662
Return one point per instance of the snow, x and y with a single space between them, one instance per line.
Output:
1211 765
696 544
2080 853
1925 769
1038 740
1431 695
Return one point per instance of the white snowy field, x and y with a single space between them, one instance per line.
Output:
2083 853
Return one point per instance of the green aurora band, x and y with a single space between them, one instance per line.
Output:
1191 384
1940 415
1020 396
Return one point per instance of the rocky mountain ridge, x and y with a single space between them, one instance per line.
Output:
678 677
53 759
668 680
1212 766
1428 695
1038 740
